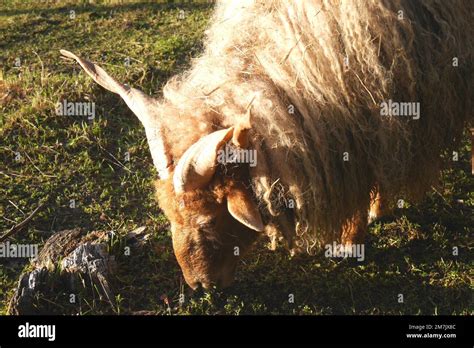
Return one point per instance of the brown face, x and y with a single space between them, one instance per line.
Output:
214 219
208 231
209 244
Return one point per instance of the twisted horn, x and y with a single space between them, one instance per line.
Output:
143 106
198 164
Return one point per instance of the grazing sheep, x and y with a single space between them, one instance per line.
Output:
341 101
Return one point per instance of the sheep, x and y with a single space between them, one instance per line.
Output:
346 104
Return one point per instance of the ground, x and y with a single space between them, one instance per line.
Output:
56 159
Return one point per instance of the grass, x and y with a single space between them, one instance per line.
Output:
71 158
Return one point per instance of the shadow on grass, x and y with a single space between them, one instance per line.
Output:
403 273
372 287
267 281
86 7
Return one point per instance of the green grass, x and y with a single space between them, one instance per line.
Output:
64 158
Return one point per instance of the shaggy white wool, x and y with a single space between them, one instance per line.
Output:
318 72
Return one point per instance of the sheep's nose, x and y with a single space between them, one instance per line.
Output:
199 289
200 286
196 286
205 286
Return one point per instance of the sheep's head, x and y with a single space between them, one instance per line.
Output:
213 217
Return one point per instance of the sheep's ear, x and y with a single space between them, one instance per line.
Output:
198 164
242 207
143 106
